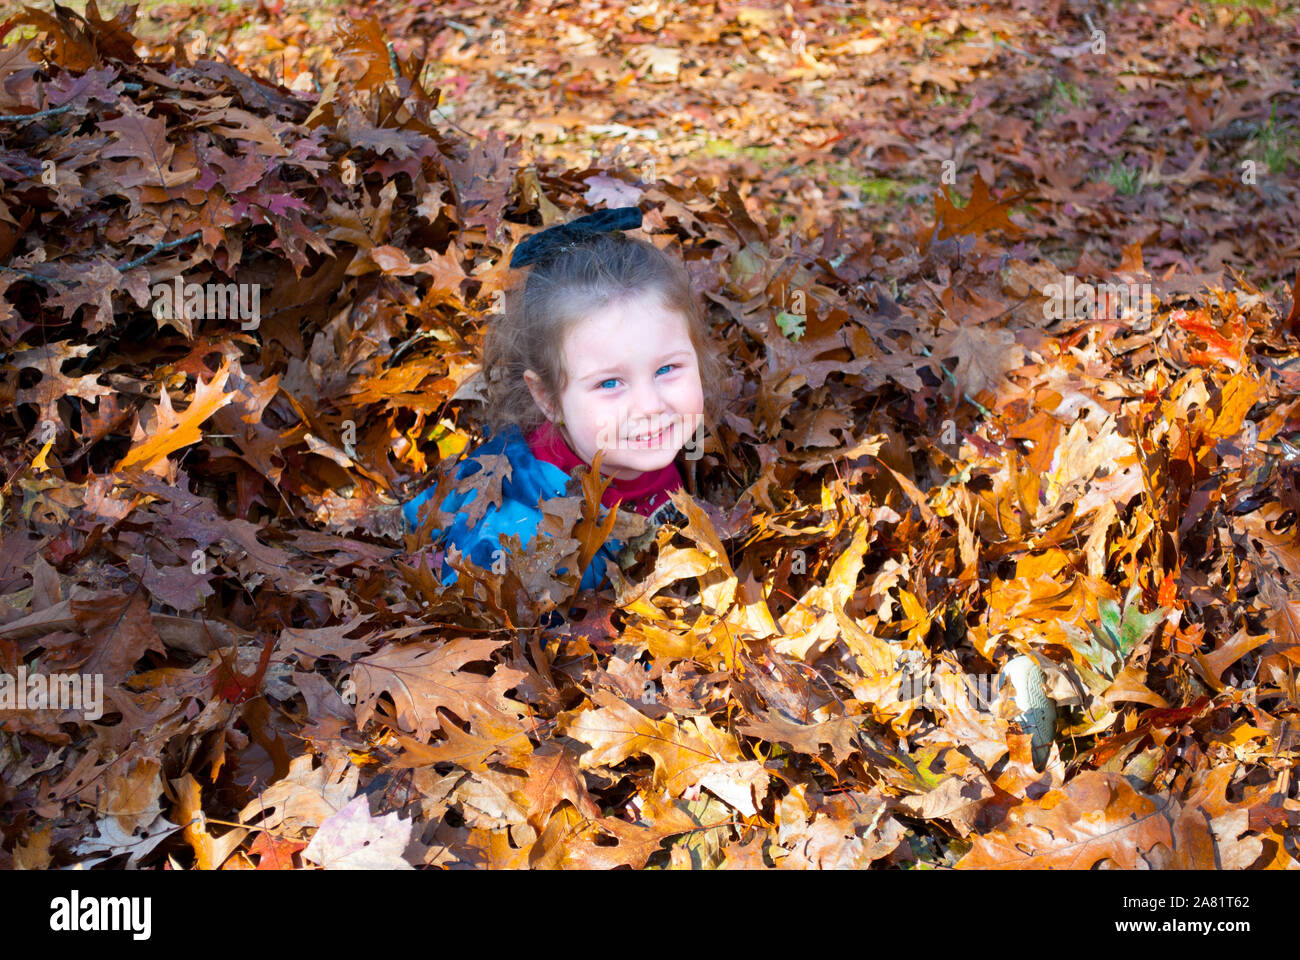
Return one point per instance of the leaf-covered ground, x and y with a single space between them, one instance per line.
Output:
926 468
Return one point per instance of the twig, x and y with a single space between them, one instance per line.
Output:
243 826
159 247
18 117
53 111
34 277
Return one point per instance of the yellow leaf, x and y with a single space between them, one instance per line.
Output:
38 462
918 620
1239 395
450 441
175 430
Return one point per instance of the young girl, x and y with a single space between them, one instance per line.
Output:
604 346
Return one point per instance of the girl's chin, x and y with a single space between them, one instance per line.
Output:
632 463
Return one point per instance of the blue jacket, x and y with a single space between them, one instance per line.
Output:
531 481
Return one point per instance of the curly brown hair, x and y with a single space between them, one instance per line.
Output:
562 290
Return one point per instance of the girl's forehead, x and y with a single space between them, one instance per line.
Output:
599 346
628 326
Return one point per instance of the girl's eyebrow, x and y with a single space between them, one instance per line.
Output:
684 351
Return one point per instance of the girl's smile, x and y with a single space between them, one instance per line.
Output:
653 440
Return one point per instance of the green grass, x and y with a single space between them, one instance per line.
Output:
840 173
714 147
942 99
1278 144
1125 179
1063 96
877 189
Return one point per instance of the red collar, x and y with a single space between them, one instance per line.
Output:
641 494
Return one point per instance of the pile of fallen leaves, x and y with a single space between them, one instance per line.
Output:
919 476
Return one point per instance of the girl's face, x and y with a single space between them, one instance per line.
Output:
634 387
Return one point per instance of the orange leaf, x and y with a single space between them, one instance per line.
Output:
175 430
590 532
982 214
274 853
209 851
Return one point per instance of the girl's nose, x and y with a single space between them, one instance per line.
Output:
649 401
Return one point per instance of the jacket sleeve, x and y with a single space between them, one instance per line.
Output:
481 543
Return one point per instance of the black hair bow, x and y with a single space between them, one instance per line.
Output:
545 242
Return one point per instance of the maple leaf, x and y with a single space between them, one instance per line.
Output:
423 676
984 357
682 753
306 796
352 839
980 215
274 853
54 384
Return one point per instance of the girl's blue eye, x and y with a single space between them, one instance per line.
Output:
666 366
